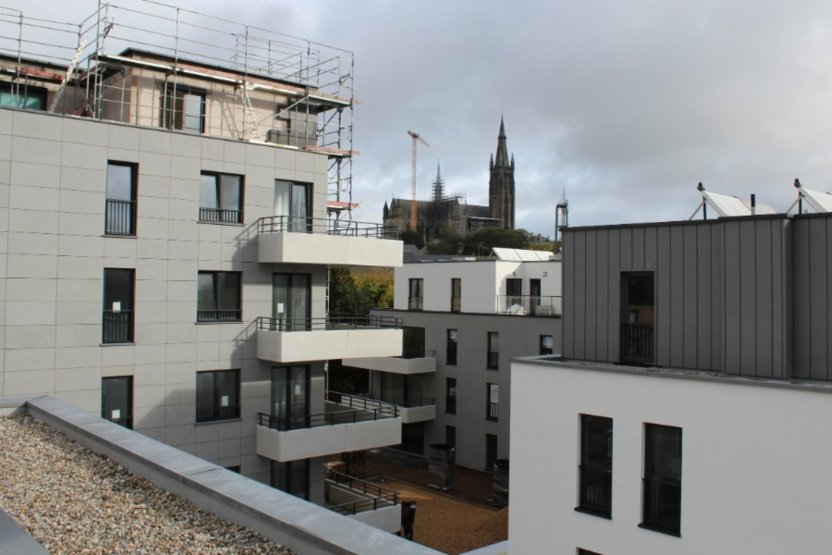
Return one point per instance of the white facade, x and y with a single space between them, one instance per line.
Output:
754 461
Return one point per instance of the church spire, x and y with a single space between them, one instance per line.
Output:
501 160
438 185
501 182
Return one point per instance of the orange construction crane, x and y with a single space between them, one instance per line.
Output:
415 137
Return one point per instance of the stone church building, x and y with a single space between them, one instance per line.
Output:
454 212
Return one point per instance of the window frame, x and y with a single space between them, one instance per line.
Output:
594 477
456 294
220 214
217 414
29 91
492 357
414 302
650 479
202 315
492 406
119 206
451 347
125 419
450 395
173 118
544 351
118 326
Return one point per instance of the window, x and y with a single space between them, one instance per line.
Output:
292 207
492 404
217 395
117 319
221 198
291 477
514 291
22 96
218 297
456 294
117 400
450 352
413 342
546 345
183 108
596 465
414 297
120 218
490 451
290 396
662 478
637 315
450 436
493 362
450 395
291 300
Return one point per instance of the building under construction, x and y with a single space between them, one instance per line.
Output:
452 212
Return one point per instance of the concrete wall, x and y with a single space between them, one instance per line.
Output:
754 461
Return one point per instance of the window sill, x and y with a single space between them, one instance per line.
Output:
218 421
232 224
111 236
213 322
593 512
660 529
128 344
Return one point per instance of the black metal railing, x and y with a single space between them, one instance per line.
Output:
120 217
415 303
415 353
366 400
662 504
126 421
450 405
530 305
637 343
117 327
378 496
493 411
220 215
596 490
325 226
217 413
218 315
285 424
331 322
493 361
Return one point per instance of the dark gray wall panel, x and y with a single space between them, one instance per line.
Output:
675 335
704 291
717 321
614 300
818 301
764 297
569 294
747 318
591 297
602 321
731 263
690 261
663 299
801 298
579 287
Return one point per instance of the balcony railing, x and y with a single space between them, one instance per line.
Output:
450 405
662 504
415 303
325 226
493 361
220 215
332 322
424 353
218 315
120 218
637 343
285 424
217 413
529 305
596 490
379 496
368 399
117 327
493 411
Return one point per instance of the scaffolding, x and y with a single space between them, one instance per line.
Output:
154 64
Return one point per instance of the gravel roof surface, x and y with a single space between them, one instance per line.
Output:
72 500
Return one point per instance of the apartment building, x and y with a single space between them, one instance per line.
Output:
167 224
463 321
685 412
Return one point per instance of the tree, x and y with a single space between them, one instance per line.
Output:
355 292
481 242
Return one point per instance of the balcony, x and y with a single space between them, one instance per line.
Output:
636 343
410 410
117 327
337 430
422 362
291 240
363 501
282 340
530 305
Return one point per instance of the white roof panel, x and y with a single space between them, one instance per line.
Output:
727 206
522 255
820 201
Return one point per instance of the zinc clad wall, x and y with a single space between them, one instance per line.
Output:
812 239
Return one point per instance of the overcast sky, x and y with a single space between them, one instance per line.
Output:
625 105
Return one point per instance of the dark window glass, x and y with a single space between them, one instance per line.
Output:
290 396
292 206
291 477
415 300
450 352
450 436
117 318
221 198
117 400
22 96
218 297
637 316
183 108
662 478
217 395
456 294
493 361
596 465
291 300
413 342
492 408
490 451
450 395
546 345
120 217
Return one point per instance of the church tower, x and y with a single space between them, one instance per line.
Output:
501 182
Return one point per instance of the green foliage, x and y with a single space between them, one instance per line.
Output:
355 292
481 242
448 242
410 237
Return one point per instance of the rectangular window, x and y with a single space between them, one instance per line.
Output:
546 345
292 206
450 395
413 342
450 352
596 465
450 436
291 477
183 108
117 400
493 362
218 297
22 96
291 302
490 451
456 294
221 198
415 299
117 319
662 478
120 217
492 402
217 395
290 396
637 317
